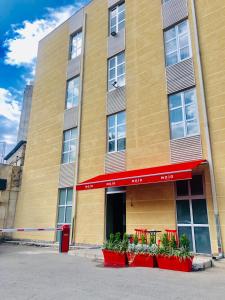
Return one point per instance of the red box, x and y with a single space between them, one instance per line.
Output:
174 263
141 260
114 259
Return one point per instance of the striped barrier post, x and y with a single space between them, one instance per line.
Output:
64 234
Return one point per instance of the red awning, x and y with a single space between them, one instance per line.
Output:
174 172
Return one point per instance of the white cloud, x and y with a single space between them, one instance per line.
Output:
22 47
10 111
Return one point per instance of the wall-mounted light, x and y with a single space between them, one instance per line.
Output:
115 84
113 33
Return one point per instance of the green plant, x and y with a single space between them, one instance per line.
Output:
184 242
143 239
152 240
135 239
114 243
173 243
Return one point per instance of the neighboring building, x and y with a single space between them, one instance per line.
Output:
2 151
25 113
9 190
17 155
134 93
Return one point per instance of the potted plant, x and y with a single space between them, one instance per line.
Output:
172 257
141 255
114 251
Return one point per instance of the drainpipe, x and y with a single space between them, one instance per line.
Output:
207 132
74 209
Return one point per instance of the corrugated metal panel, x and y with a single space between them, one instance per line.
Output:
75 22
116 101
70 118
73 67
174 11
180 76
115 162
116 43
186 149
66 176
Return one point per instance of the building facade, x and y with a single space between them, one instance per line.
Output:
129 97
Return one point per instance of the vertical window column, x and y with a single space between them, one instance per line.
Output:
69 145
116 71
117 132
117 18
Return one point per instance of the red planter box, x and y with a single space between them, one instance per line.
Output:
141 260
114 259
174 263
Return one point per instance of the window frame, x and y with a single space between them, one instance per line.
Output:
111 9
116 132
178 49
183 107
67 84
69 140
191 198
116 71
59 224
72 36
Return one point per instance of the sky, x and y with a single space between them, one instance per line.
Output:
22 24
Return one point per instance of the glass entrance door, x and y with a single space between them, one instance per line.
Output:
192 217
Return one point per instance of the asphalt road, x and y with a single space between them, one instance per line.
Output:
28 273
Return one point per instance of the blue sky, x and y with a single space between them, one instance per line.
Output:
22 24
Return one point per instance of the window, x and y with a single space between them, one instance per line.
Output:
64 207
192 216
116 71
117 18
183 114
76 45
177 43
72 92
117 132
69 145
164 1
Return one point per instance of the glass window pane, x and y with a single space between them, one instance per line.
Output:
171 46
111 146
61 212
73 133
121 118
170 34
121 131
66 146
197 185
192 127
187 231
202 240
112 63
171 59
190 112
183 41
111 134
182 27
113 21
121 70
121 25
182 188
111 121
183 212
68 214
72 155
121 16
120 58
66 135
69 196
184 53
65 158
121 7
121 80
121 144
199 211
176 115
189 97
175 101
177 130
62 197
112 74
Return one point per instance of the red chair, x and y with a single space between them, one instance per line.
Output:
170 233
140 233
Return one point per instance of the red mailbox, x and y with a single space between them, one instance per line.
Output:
64 239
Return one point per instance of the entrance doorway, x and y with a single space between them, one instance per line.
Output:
192 216
115 213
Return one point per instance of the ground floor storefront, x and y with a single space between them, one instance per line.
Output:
184 205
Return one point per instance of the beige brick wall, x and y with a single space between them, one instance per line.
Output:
38 198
